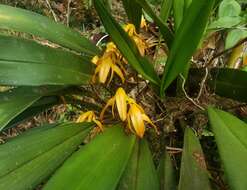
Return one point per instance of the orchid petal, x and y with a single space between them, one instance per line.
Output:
147 119
109 103
137 120
121 101
119 72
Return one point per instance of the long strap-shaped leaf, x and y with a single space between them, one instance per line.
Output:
166 173
178 12
225 82
126 45
15 101
26 21
231 138
186 40
98 165
134 12
165 31
140 173
165 9
193 172
32 157
230 83
179 9
36 108
24 62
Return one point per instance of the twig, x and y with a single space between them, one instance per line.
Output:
186 95
68 12
202 84
52 12
173 148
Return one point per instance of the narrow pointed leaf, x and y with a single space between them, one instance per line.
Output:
140 172
126 45
134 12
225 82
15 101
230 83
165 9
29 159
165 31
26 21
193 172
178 11
98 165
36 108
186 40
166 173
231 138
35 65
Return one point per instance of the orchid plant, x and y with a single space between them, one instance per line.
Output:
103 148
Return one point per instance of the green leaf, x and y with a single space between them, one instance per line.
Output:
166 173
225 22
140 172
230 83
186 41
165 10
126 45
29 159
16 100
34 65
231 138
229 8
178 11
98 165
26 21
193 172
36 108
134 12
165 31
234 36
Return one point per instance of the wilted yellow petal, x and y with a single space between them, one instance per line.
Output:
99 124
95 59
130 29
84 117
140 45
118 72
147 119
121 102
111 47
109 103
143 23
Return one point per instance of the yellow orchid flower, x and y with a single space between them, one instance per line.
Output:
89 116
120 99
136 118
140 43
128 110
107 64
